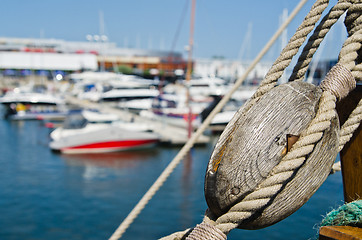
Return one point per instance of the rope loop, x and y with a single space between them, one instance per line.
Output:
353 20
351 52
296 41
338 83
284 171
317 37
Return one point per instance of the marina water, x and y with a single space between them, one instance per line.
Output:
44 195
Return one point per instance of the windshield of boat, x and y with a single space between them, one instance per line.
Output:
74 122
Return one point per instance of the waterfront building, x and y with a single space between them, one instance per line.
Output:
49 57
230 69
23 55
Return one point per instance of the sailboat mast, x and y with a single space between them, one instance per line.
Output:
189 65
102 39
191 41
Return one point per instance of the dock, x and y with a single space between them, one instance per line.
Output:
169 134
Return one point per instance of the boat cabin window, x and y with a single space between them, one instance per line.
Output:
200 85
163 103
74 122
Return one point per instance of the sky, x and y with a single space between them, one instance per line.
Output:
232 29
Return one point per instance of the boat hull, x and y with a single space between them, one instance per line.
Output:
111 146
100 138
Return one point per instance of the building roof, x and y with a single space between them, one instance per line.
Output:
48 61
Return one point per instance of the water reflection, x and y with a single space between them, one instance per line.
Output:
187 166
187 184
110 160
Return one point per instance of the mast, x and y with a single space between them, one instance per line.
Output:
102 40
189 65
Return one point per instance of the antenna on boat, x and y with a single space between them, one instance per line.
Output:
102 39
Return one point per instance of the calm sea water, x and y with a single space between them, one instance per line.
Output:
44 195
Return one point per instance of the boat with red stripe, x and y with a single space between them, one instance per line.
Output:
78 135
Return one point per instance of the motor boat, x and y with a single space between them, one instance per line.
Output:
174 109
118 94
79 135
23 104
112 87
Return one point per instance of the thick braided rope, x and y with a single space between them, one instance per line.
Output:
343 80
350 56
284 170
280 174
353 120
206 231
297 155
176 236
339 81
337 84
350 125
284 59
349 53
177 159
314 41
353 20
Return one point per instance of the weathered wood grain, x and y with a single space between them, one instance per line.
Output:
340 233
306 181
254 143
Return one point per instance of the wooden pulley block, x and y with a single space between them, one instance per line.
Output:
254 142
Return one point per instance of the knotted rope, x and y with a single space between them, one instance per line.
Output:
349 214
338 83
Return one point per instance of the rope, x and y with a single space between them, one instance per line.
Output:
350 58
350 125
351 51
306 142
336 167
338 78
284 170
178 158
206 231
314 41
337 85
339 81
284 59
294 159
349 214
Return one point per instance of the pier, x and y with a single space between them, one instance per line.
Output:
169 134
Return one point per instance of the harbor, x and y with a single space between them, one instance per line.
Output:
54 196
111 140
165 111
72 190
